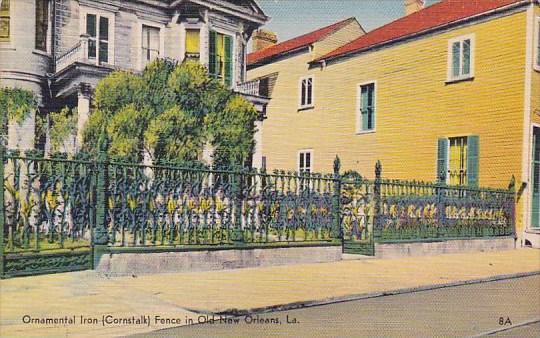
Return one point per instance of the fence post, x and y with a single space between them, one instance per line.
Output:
237 235
336 200
376 228
512 205
101 236
2 208
440 188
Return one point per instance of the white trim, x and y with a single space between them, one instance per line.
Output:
536 60
449 70
527 130
300 82
139 37
112 29
358 114
311 162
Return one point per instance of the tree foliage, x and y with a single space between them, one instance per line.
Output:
15 104
170 111
63 128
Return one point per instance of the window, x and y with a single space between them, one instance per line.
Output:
4 21
306 92
305 161
366 108
461 58
150 44
42 24
457 160
221 56
97 28
193 41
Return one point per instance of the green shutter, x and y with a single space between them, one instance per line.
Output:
365 107
473 152
442 159
212 54
228 60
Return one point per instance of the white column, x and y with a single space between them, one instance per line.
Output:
21 136
258 153
208 154
83 111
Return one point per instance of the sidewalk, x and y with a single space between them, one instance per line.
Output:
186 295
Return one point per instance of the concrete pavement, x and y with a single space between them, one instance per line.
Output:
473 310
186 295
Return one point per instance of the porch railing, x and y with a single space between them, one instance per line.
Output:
77 53
257 87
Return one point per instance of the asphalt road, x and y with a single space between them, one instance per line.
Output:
509 308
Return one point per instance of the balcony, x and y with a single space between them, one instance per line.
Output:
257 92
258 87
73 67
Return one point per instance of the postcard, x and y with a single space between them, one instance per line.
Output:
270 168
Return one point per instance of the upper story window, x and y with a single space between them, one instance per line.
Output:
4 21
366 108
150 44
461 58
193 43
306 92
97 29
221 57
42 24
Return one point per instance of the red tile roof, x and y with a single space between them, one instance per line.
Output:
295 43
439 14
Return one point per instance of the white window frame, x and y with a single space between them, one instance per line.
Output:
304 151
84 11
300 83
536 37
359 86
450 74
142 59
138 40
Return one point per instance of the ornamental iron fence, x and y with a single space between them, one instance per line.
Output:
386 210
57 213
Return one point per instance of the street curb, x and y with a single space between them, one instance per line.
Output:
354 297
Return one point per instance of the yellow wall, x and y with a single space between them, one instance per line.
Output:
337 39
415 106
535 97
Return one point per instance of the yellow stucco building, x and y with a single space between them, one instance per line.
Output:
449 92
